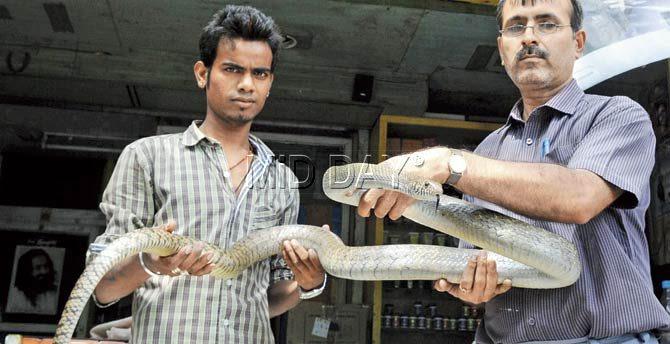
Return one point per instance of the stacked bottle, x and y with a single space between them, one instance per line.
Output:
428 318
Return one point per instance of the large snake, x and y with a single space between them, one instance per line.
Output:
531 257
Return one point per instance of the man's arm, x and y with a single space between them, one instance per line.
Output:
120 281
129 274
128 205
537 190
282 296
610 164
308 274
296 268
541 191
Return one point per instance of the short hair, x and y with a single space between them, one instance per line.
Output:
243 22
575 20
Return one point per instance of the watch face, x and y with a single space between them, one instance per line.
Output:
457 164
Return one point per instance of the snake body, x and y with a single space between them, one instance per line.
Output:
531 257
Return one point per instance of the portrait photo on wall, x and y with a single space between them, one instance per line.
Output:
39 270
35 280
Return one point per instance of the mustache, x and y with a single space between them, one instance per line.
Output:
531 50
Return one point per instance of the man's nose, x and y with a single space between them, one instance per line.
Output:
246 84
529 36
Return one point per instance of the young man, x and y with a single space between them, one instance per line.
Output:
201 180
575 164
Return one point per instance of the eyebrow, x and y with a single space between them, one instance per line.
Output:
255 70
537 17
547 16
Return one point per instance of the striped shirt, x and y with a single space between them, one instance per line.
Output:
184 177
613 138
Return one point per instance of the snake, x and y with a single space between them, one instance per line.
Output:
529 256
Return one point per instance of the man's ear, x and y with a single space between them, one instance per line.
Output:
580 43
200 72
500 50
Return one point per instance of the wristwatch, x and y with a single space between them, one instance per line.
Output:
457 166
304 295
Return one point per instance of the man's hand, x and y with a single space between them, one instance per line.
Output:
384 202
433 165
479 282
189 259
305 264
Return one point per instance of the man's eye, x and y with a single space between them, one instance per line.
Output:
547 25
262 75
232 69
516 28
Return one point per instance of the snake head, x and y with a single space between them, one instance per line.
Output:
429 189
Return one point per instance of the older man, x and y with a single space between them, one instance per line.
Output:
575 164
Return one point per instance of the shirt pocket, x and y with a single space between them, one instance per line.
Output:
264 217
560 155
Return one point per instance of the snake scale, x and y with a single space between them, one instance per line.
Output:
531 257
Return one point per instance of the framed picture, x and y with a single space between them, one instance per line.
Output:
35 283
41 269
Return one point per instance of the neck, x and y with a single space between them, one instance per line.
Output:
230 136
535 97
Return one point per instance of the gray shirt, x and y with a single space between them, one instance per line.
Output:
613 138
184 177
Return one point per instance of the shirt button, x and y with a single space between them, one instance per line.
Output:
226 174
531 321
226 322
229 282
529 141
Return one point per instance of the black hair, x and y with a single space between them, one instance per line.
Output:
243 22
575 20
24 275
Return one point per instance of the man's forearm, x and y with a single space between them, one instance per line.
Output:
282 296
122 280
537 190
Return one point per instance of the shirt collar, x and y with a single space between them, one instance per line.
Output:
515 114
193 135
567 99
564 101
